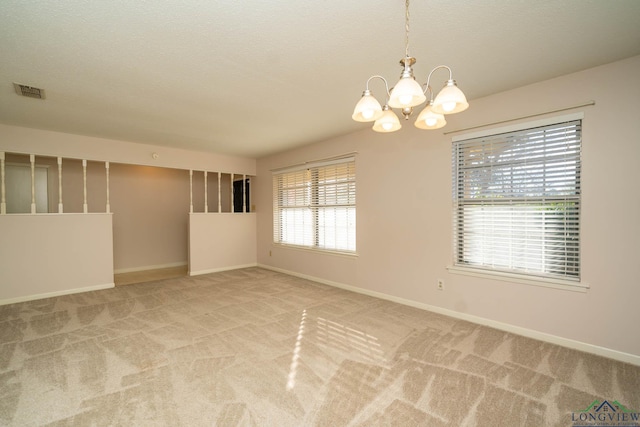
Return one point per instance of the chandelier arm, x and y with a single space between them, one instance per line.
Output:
432 71
427 88
386 84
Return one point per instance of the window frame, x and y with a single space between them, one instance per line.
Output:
514 275
307 187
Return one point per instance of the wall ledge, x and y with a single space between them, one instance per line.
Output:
517 330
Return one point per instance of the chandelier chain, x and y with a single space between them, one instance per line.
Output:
406 28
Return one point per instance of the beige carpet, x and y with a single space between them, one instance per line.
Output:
257 348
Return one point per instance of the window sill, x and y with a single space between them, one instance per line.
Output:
565 285
317 250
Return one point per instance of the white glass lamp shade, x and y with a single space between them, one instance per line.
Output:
406 93
388 122
367 109
427 119
450 100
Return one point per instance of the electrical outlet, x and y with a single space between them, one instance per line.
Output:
440 285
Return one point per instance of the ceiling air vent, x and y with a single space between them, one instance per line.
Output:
29 91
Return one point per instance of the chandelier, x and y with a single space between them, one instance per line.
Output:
408 93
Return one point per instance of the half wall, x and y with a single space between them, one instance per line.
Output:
47 255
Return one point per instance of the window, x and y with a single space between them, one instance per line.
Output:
315 206
517 201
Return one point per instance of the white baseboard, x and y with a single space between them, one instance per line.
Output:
150 267
217 270
56 294
529 333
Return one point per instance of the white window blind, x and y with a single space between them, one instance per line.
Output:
315 207
517 201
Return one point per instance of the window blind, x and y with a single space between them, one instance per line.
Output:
315 206
517 201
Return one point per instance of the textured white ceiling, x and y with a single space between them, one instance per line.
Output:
254 77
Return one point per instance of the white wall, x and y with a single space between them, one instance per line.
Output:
149 197
48 143
221 241
150 208
51 254
404 215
